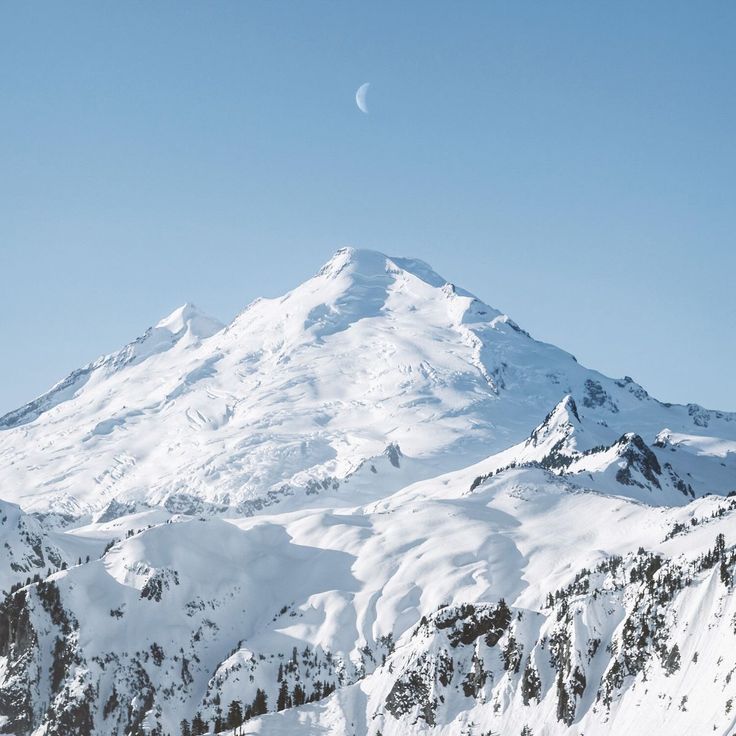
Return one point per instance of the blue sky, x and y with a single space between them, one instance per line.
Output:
573 164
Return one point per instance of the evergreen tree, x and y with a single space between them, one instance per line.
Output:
502 615
725 575
199 727
284 701
511 655
673 660
260 703
530 684
299 697
500 621
234 714
185 729
720 545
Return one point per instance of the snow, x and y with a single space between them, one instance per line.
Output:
330 472
300 390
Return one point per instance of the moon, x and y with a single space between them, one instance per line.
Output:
360 96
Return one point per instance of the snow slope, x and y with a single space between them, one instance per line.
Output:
191 614
299 392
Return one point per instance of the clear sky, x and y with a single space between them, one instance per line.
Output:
573 164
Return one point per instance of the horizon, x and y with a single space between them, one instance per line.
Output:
573 168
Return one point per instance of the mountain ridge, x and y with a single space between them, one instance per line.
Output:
302 390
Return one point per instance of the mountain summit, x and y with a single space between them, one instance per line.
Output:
304 392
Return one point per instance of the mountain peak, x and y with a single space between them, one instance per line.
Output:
189 318
303 388
354 259
186 322
368 263
560 423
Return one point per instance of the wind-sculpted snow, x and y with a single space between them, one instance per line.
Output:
298 392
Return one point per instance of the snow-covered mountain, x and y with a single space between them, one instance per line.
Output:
299 393
373 506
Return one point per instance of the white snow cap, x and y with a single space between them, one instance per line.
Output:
191 319
372 262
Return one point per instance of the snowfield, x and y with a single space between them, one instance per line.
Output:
374 506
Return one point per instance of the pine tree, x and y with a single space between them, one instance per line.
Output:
720 545
299 696
284 701
502 615
673 660
511 655
500 621
199 727
234 714
725 575
185 729
260 703
530 684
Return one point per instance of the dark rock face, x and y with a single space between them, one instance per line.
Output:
32 620
420 687
700 416
596 396
409 693
159 582
18 642
633 388
116 509
685 488
394 454
467 623
638 456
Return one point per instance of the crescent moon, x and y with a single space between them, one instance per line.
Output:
360 96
